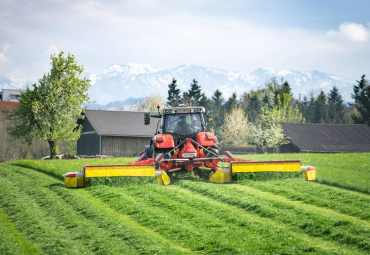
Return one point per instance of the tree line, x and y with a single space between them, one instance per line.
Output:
263 109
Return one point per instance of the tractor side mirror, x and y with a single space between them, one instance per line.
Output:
209 116
146 118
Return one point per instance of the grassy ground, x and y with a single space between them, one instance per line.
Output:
259 214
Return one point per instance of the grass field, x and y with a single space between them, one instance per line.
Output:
258 214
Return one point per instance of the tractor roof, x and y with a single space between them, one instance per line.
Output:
182 109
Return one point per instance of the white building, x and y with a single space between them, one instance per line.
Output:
12 95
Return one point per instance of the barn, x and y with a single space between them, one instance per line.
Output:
114 133
315 137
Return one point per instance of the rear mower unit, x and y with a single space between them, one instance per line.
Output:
181 143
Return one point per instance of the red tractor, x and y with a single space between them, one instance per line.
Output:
181 143
181 139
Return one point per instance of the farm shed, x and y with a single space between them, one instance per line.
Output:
314 137
114 133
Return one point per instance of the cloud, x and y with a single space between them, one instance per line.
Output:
3 57
51 50
352 31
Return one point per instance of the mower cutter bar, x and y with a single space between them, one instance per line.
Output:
114 171
265 166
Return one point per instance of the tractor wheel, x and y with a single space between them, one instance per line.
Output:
213 149
148 153
153 152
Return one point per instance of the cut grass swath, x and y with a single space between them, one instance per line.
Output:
331 227
204 224
71 223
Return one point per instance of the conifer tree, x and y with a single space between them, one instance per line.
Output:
186 100
362 101
173 98
274 87
335 107
320 108
195 92
311 109
254 108
218 109
231 103
285 89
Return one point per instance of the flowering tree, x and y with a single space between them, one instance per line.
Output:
149 104
49 110
266 136
234 130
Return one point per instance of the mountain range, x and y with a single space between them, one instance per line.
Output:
122 84
119 82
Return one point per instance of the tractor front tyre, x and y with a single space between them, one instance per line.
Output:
148 153
214 151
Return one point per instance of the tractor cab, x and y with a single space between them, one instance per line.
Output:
177 124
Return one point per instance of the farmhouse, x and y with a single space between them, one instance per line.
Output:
314 137
114 133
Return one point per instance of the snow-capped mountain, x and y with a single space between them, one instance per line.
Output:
119 82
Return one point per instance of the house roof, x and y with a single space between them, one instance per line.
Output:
328 137
120 123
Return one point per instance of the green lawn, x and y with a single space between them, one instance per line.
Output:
258 214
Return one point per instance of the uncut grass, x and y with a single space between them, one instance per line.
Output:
58 167
347 170
339 200
53 218
198 225
317 223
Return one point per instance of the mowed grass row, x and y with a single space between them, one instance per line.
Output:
211 226
195 227
301 218
346 170
337 199
63 221
275 216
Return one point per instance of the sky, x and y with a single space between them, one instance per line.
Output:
329 36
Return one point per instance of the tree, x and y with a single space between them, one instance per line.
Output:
186 98
266 135
231 103
282 112
50 110
149 104
254 108
311 109
285 90
274 88
234 131
218 109
362 101
173 98
335 107
320 108
195 93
